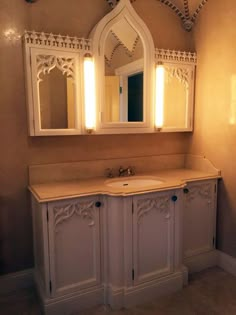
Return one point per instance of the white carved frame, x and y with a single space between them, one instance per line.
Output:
77 48
59 46
124 10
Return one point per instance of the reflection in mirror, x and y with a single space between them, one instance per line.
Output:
124 55
176 95
56 92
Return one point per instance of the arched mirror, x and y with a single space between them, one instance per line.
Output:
124 66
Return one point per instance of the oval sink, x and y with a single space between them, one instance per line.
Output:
133 182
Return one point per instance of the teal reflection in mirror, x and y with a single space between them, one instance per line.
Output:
56 98
124 65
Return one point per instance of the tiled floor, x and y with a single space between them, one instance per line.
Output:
212 292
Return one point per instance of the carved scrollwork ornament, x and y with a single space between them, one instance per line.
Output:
199 190
50 40
85 210
182 74
161 204
45 64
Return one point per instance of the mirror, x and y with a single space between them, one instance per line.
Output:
178 96
124 67
118 63
54 82
124 57
176 92
56 93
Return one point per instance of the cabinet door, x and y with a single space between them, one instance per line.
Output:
199 217
74 244
153 232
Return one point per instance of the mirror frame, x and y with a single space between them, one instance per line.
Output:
124 10
56 45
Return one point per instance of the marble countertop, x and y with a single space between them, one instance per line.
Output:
172 179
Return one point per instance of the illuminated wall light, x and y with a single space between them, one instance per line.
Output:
159 104
232 119
89 93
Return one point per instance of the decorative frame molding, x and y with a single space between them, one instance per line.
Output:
183 57
50 40
124 10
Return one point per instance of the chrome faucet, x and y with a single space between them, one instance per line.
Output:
129 171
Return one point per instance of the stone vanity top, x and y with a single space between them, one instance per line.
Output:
172 179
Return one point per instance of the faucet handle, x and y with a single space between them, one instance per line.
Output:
130 171
109 172
121 171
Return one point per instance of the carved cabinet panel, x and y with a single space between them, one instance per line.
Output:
74 244
199 217
153 235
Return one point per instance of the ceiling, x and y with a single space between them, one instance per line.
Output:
186 10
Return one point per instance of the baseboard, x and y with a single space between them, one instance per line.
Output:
73 303
15 281
150 290
227 262
202 261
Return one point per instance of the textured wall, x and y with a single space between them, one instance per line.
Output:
215 108
74 17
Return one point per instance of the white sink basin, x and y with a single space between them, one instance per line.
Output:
133 182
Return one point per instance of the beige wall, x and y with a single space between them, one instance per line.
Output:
74 17
215 112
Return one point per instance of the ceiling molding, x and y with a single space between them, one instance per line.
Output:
186 18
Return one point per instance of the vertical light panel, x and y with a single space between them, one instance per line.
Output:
89 94
159 106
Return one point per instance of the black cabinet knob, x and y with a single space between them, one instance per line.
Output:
186 190
174 198
98 204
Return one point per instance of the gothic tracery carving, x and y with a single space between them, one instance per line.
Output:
203 190
182 74
161 204
85 210
45 64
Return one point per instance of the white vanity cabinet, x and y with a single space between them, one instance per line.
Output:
144 254
199 217
153 235
67 238
120 250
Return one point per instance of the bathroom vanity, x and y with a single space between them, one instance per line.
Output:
119 242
